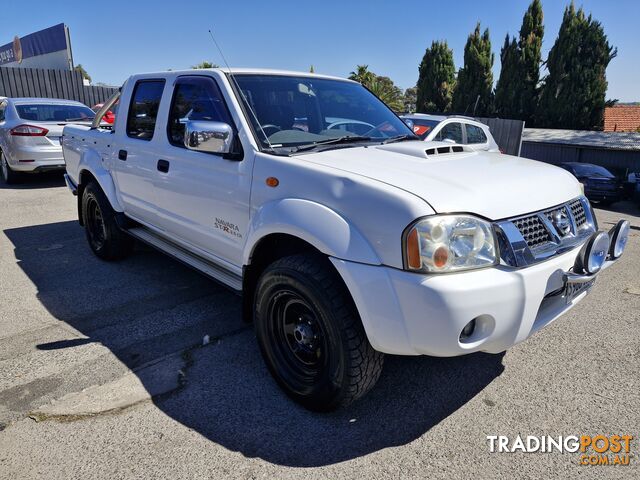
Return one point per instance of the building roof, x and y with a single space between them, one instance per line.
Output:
585 138
622 118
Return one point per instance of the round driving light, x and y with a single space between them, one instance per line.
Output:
468 330
593 254
619 236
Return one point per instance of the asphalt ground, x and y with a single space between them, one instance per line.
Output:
103 374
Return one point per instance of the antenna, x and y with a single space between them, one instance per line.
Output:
246 101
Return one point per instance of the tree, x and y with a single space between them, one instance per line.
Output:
509 88
311 69
474 86
362 75
573 93
204 64
388 92
517 89
409 99
530 46
382 87
436 79
83 72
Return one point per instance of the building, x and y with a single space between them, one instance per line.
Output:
618 151
622 118
49 48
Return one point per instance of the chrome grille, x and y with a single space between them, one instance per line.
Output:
527 240
577 210
533 231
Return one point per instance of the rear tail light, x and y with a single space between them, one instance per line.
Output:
28 131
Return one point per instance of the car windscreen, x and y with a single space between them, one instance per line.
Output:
295 111
422 127
49 112
592 170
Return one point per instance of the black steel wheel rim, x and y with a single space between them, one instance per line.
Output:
95 224
298 340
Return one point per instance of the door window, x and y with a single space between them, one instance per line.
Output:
195 98
143 110
451 131
475 134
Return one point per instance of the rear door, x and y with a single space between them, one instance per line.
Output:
134 165
476 138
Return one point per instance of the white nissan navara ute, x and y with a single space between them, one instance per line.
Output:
347 237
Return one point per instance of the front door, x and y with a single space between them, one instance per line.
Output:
202 198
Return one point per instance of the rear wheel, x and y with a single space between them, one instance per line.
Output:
105 237
8 176
311 336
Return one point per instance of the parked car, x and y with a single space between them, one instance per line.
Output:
344 245
599 183
30 131
108 117
455 129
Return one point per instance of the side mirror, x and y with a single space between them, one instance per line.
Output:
207 136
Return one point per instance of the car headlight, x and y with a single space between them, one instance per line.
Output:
449 243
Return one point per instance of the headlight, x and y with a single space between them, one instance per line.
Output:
449 243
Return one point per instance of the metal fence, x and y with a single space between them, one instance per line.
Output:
45 83
507 133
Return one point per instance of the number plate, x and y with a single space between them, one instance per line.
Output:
572 290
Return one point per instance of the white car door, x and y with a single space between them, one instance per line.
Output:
134 165
451 131
202 198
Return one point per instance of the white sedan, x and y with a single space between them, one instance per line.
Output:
30 131
456 129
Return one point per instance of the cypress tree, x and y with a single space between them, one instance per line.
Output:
508 88
530 47
475 79
436 79
573 94
517 88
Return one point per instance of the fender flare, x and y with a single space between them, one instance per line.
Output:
91 162
318 225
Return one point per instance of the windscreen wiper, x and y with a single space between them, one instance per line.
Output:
333 141
400 138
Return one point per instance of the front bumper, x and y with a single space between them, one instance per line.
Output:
406 313
603 195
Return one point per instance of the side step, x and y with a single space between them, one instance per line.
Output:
204 266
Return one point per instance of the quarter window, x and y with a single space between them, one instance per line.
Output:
3 107
195 98
475 134
143 110
451 131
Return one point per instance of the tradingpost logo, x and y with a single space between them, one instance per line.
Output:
594 450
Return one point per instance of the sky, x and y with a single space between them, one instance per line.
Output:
115 39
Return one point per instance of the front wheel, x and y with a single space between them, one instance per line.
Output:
311 336
105 238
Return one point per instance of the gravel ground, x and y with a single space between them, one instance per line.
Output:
73 327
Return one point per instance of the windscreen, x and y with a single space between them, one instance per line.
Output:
47 112
294 111
422 127
596 170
